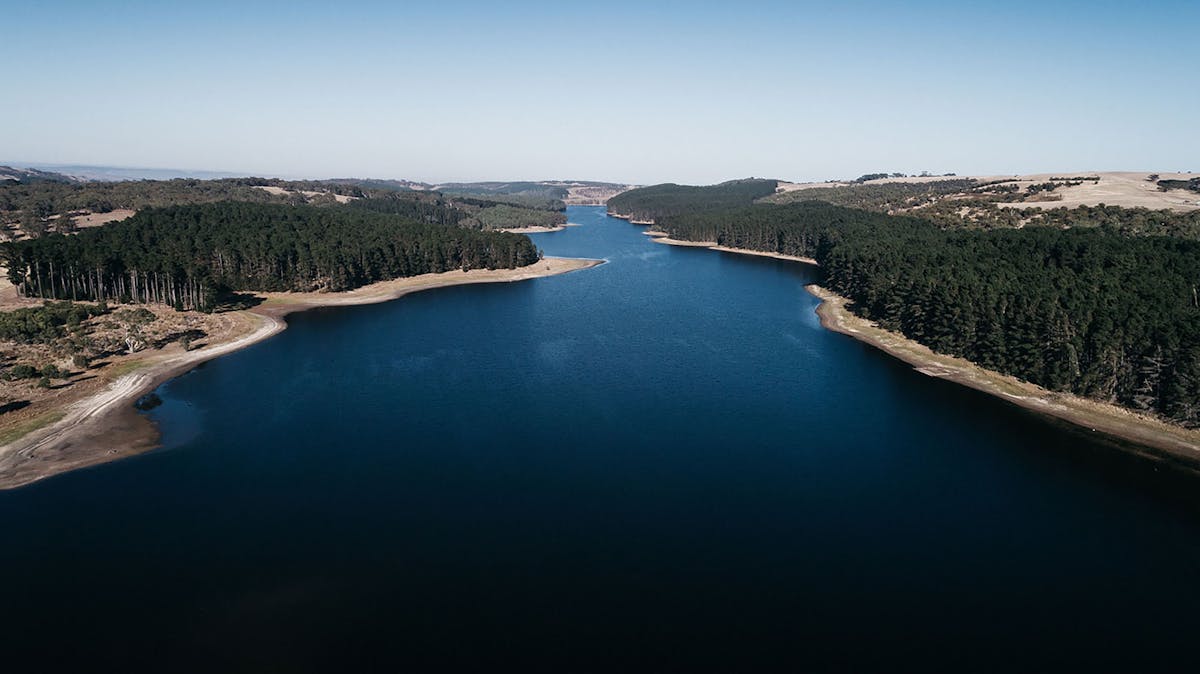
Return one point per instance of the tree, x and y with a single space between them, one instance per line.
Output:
33 226
65 224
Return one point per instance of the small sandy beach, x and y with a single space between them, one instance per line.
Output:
539 230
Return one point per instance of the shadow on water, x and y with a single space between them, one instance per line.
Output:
1067 449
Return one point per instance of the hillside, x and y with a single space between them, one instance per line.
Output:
648 204
189 256
1142 203
12 176
43 204
569 192
1101 304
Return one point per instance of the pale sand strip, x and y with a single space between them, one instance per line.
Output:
629 218
539 230
104 426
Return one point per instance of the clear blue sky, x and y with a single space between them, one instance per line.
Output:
626 91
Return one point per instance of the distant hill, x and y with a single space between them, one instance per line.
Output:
37 203
25 176
570 192
84 173
647 204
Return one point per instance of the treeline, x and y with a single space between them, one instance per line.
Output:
883 197
867 177
661 201
1192 184
509 217
475 213
517 200
36 206
1083 310
187 256
538 196
427 207
35 325
525 189
44 199
967 204
1128 221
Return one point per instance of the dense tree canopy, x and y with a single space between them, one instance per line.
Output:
476 213
32 205
660 201
187 255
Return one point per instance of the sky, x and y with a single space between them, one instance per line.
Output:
639 92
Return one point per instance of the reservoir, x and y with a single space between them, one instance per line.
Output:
663 462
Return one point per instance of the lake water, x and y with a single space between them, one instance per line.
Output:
660 463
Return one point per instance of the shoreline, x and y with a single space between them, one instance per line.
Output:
105 426
539 230
661 237
628 218
1141 435
1151 438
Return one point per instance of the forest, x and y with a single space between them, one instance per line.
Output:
34 204
970 204
472 212
1090 311
659 201
47 198
188 256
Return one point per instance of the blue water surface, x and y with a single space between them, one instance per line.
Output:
660 463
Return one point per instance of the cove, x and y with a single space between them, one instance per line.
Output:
663 462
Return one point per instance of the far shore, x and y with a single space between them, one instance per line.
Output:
1142 434
629 218
539 230
105 426
661 237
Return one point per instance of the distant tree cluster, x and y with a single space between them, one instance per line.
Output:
33 206
878 176
519 201
503 216
47 198
37 325
884 197
186 256
1192 184
518 189
442 209
660 201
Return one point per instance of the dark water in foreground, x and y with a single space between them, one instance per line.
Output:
660 463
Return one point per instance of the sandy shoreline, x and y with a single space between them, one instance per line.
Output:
539 230
628 218
105 426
